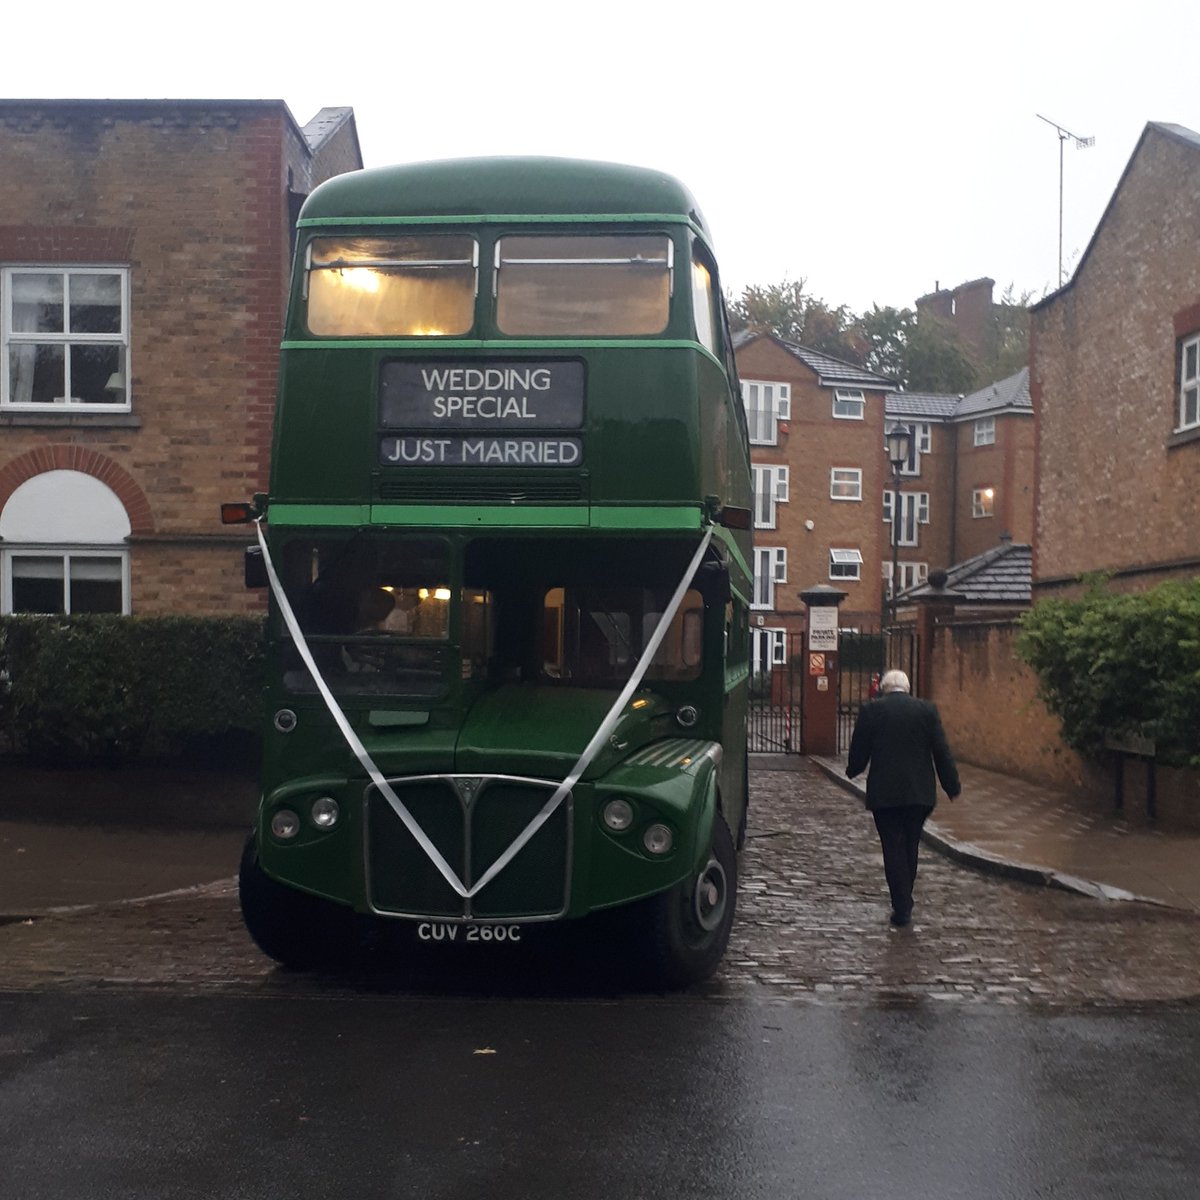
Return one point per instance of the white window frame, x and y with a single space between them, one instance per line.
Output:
983 502
771 487
1189 383
920 443
776 638
853 403
12 339
770 568
766 403
911 574
849 478
914 512
985 431
847 558
65 553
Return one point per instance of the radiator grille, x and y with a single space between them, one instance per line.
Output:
481 491
472 821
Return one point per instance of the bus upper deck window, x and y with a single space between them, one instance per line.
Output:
704 302
590 285
422 286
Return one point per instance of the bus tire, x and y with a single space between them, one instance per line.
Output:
296 929
687 929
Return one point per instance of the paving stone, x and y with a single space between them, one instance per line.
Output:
812 927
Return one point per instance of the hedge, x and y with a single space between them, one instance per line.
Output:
1121 664
109 688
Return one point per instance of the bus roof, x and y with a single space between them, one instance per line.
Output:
483 187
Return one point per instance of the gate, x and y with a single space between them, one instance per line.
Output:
776 719
863 654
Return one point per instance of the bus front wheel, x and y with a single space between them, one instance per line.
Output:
687 928
294 928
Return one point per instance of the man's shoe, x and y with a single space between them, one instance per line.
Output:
900 919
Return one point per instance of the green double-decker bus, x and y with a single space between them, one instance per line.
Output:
507 539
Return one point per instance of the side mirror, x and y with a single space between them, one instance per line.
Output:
712 582
254 568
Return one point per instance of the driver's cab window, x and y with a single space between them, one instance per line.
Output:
375 613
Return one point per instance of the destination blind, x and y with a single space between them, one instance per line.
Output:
483 414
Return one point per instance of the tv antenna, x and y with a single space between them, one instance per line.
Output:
1081 143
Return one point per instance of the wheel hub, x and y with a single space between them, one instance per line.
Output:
710 896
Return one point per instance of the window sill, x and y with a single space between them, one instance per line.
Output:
1182 437
65 420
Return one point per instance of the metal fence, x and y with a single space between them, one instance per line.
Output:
776 719
864 654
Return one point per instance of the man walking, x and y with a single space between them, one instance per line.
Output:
903 741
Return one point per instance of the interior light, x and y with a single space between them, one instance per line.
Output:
422 593
441 594
989 492
362 279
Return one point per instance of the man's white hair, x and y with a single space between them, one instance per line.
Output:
895 681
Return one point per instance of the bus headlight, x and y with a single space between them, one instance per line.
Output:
285 824
658 839
686 716
285 720
618 815
325 812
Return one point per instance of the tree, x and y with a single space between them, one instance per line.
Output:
886 332
920 354
1090 657
786 310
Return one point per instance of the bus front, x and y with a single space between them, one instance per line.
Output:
506 541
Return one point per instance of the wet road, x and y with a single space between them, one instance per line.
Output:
1017 1042
151 1095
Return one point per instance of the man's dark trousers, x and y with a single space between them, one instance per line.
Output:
900 836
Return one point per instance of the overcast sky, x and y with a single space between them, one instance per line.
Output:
872 149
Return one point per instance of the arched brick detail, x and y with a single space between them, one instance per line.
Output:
67 457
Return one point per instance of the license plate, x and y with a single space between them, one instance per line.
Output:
475 934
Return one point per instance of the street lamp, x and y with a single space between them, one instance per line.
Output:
899 444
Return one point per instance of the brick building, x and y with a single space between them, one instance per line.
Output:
824 488
968 310
144 257
816 444
1115 378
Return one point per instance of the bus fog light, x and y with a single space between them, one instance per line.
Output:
686 716
657 839
618 815
285 720
285 824
325 812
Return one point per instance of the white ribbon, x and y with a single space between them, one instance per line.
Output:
559 794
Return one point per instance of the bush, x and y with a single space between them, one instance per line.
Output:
1122 664
108 688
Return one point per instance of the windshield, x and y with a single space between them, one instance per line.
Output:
562 612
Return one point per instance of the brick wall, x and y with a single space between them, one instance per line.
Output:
192 197
1114 492
988 702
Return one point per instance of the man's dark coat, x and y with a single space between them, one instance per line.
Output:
903 740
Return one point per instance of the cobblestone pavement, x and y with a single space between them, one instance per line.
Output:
812 925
